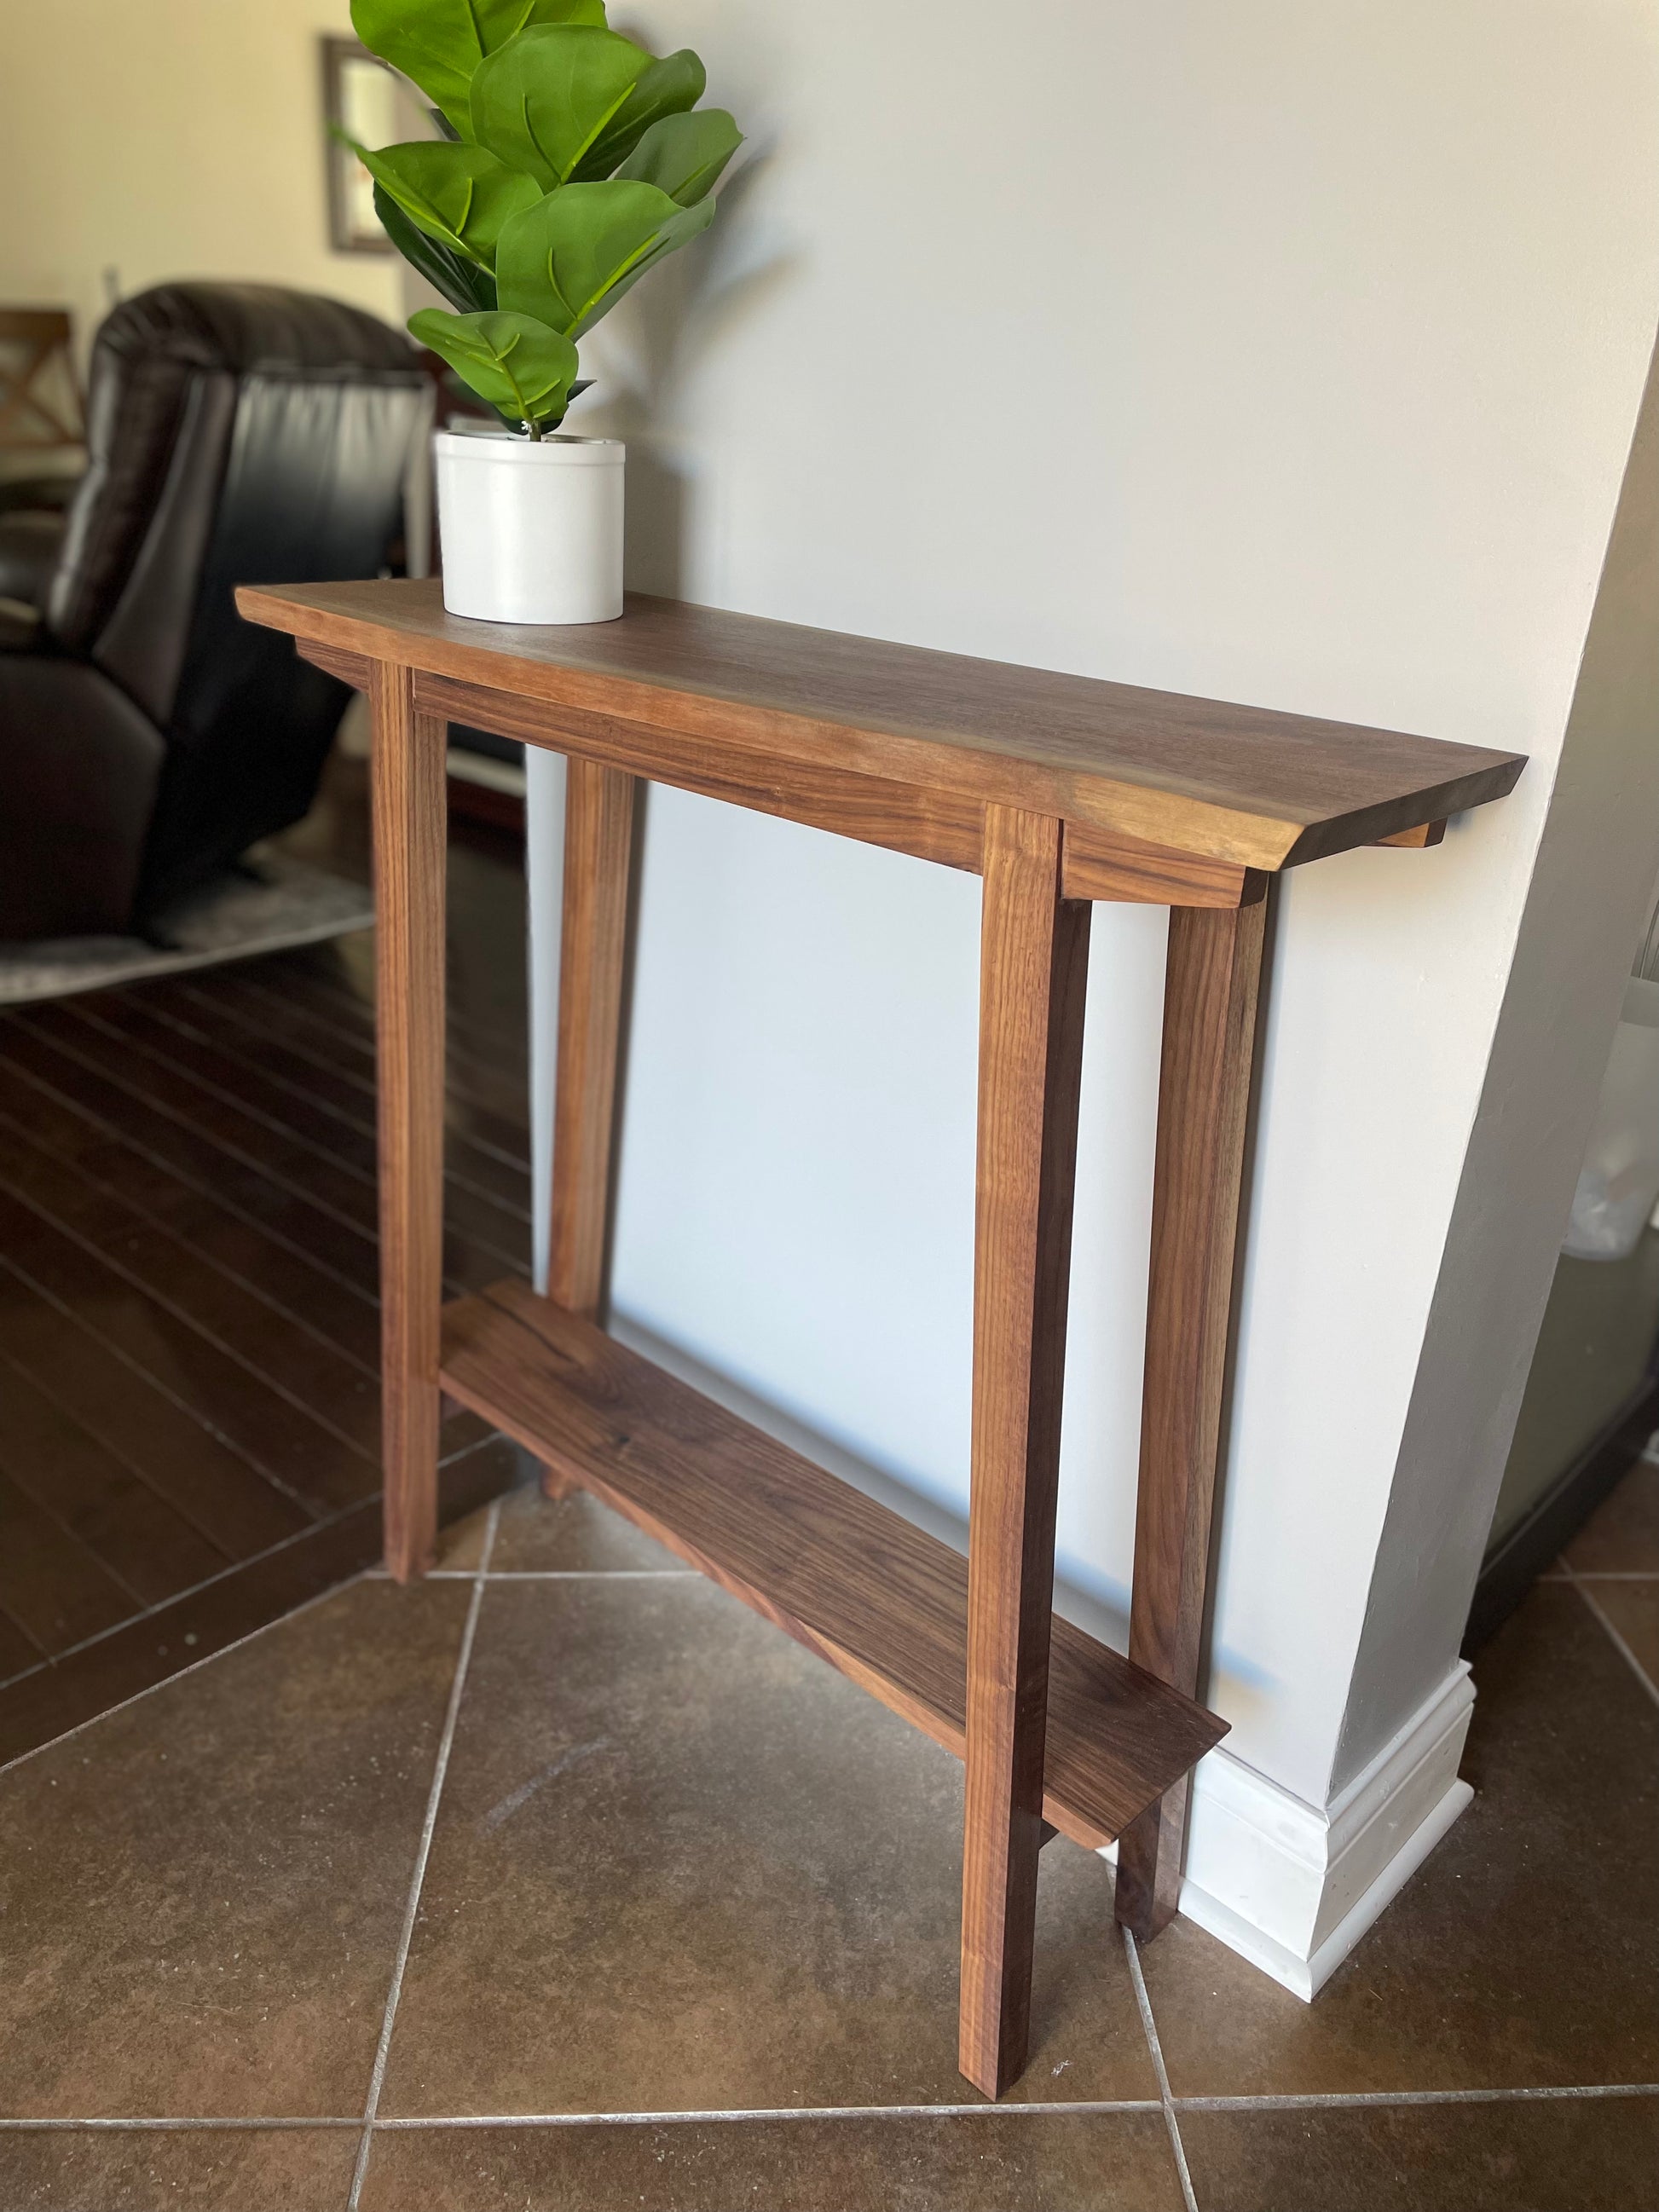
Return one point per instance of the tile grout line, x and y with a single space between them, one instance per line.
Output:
1614 1637
1035 2109
1361 2099
406 1936
1150 2027
194 1589
553 1575
172 2123
166 1680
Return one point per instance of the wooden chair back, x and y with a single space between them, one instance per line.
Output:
39 394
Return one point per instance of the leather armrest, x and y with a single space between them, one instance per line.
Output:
20 626
30 543
79 767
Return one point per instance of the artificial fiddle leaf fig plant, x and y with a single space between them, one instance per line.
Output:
571 162
460 195
515 362
439 43
545 99
571 258
684 154
669 86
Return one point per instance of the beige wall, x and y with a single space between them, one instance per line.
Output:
169 139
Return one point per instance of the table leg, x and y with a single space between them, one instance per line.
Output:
598 845
1209 1044
1034 961
410 830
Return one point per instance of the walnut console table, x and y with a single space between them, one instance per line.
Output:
1058 790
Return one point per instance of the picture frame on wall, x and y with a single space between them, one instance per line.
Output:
365 101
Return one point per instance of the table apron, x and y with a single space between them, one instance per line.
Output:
930 825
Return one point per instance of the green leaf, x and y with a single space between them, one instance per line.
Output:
440 43
669 86
684 154
463 283
460 195
512 362
567 260
544 101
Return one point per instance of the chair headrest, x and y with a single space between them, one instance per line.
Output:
172 371
248 329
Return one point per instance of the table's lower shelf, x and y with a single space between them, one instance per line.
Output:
879 1599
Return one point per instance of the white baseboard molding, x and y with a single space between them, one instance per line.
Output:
1292 1887
1305 1977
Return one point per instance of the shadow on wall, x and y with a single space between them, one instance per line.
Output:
1089 1610
667 324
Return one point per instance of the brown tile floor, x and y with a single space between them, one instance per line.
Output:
562 1881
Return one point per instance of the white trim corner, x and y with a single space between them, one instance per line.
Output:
1292 1887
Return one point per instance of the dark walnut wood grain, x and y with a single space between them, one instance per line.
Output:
1425 832
932 825
350 668
599 840
1096 864
1235 783
1034 961
1204 1092
1060 790
598 845
879 1599
408 781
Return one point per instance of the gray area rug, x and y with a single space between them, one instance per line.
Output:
231 920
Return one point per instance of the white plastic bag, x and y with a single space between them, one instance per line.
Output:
1618 1183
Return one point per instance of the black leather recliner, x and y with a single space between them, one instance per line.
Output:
236 434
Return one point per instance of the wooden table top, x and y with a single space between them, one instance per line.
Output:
1243 784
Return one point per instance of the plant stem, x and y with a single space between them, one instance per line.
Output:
534 429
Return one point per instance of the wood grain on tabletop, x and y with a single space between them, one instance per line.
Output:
1243 783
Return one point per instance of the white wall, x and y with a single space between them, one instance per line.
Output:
1288 353
169 139
1585 912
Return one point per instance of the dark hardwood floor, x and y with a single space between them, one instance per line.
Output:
188 1416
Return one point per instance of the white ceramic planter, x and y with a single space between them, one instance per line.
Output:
533 533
